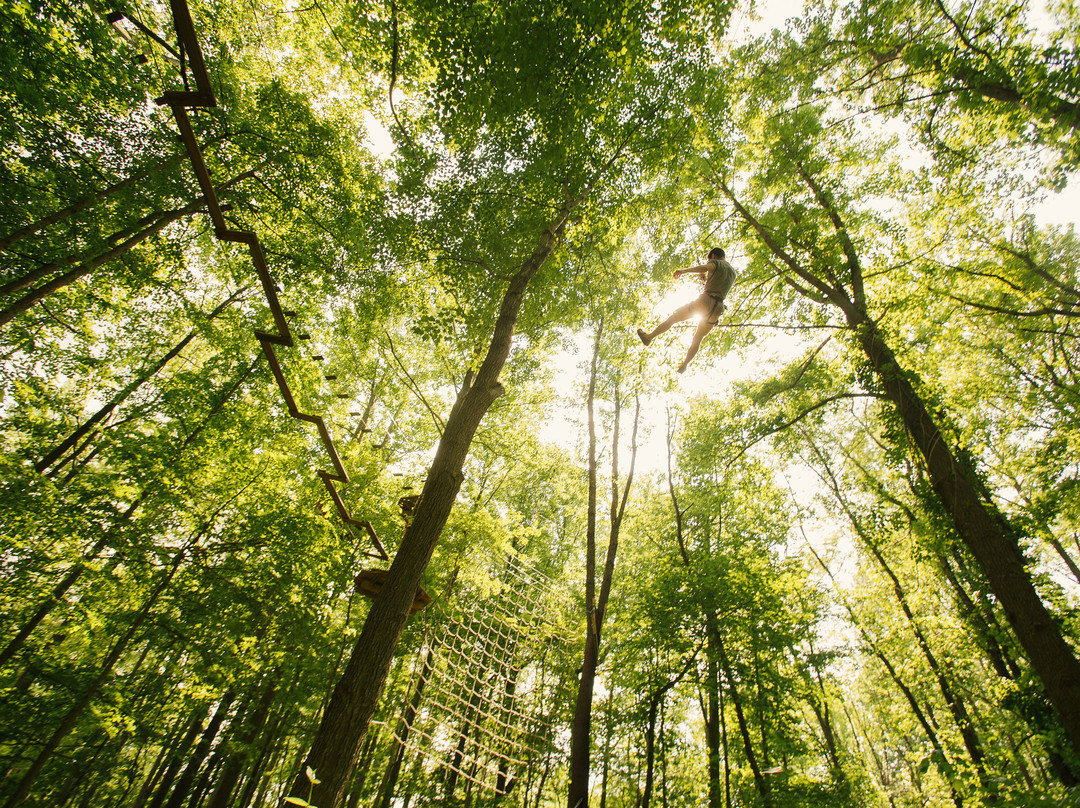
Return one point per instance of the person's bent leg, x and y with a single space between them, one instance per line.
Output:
704 327
681 313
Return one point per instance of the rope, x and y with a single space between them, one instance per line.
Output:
482 714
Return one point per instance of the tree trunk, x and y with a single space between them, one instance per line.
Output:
183 786
712 726
1004 665
748 746
72 716
76 572
64 213
607 754
267 750
821 711
581 729
986 532
64 585
989 537
85 268
234 767
596 602
943 764
175 761
363 764
345 722
51 268
393 769
130 388
955 702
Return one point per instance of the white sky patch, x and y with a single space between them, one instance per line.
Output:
377 137
1060 208
766 15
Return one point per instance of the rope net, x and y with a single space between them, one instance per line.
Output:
487 699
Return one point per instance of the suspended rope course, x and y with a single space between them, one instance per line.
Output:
481 705
192 65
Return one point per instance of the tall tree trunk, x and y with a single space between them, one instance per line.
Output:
345 722
607 753
393 768
105 671
181 789
1003 664
927 723
85 268
175 761
168 760
51 268
130 388
581 729
760 703
233 768
724 741
820 706
363 764
986 532
989 537
954 701
78 207
748 747
65 584
712 724
269 746
74 574
596 601
656 701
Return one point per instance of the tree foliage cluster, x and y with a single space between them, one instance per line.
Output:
837 565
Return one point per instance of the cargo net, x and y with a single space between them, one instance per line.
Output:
485 698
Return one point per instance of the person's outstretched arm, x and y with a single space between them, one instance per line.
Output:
700 269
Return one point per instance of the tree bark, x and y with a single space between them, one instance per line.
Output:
712 727
40 293
182 787
927 723
655 703
581 729
1003 664
821 711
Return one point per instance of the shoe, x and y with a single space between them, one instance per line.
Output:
645 339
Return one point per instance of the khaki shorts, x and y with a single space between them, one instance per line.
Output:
710 306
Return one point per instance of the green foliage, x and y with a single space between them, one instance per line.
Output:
195 558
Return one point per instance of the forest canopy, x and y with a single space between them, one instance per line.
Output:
335 473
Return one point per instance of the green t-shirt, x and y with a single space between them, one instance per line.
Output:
720 278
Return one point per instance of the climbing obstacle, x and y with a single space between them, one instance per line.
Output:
193 66
487 694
